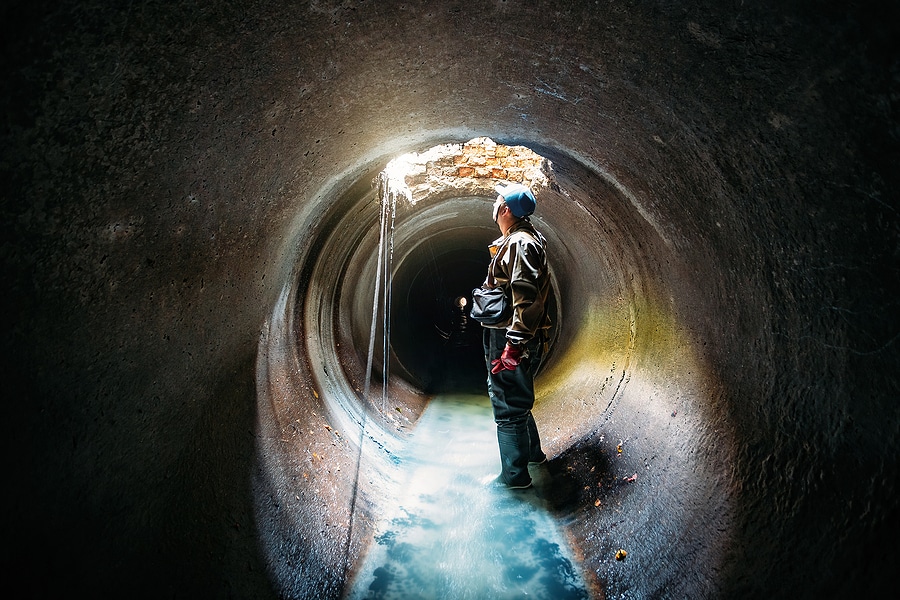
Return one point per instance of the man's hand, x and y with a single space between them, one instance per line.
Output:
508 360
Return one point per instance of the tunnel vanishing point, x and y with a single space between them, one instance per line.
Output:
191 214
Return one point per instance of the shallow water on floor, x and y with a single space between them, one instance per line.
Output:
450 535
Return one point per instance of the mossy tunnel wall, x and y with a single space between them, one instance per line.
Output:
190 231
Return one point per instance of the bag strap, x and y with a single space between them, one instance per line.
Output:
490 278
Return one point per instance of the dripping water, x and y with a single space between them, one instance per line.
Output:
387 195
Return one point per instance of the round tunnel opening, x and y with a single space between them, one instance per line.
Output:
615 330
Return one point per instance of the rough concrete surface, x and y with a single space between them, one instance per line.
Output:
189 225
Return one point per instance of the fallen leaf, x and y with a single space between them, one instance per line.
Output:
621 554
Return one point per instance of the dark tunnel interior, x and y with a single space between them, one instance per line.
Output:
435 343
210 209
433 336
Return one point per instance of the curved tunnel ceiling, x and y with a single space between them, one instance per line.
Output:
189 216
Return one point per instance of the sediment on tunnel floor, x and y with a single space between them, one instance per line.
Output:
622 388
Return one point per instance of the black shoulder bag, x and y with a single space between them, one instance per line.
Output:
490 305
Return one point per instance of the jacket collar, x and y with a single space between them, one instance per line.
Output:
520 225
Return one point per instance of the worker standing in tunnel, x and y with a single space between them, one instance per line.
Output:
514 348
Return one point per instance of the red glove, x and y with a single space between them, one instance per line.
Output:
508 361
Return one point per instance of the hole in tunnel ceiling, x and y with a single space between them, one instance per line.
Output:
472 168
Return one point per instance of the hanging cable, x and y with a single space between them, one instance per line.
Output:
388 287
383 267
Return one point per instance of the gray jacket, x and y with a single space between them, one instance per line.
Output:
521 268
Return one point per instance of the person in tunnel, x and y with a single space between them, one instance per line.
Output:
513 349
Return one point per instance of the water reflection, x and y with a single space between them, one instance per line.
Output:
450 535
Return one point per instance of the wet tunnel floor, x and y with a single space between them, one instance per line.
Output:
449 535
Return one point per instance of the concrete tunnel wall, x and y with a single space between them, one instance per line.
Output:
177 338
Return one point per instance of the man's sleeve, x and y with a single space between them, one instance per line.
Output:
526 266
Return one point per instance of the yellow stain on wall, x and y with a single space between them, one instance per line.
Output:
612 341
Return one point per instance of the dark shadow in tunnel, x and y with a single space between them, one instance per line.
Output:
432 334
583 475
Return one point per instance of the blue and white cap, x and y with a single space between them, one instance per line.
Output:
518 198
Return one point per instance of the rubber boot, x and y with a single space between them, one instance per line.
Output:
513 440
535 454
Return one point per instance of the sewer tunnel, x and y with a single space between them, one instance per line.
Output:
613 310
190 222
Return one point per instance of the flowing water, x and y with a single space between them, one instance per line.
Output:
450 535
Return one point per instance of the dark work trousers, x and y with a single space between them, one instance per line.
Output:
512 398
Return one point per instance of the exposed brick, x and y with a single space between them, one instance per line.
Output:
474 149
415 179
482 160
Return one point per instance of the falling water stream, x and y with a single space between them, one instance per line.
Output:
449 533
